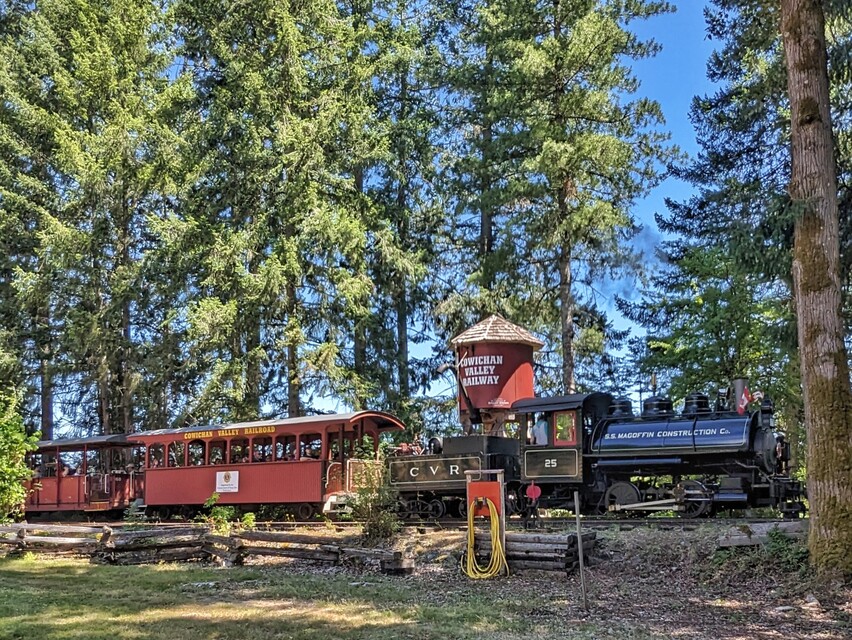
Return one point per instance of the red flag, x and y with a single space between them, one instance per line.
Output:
742 405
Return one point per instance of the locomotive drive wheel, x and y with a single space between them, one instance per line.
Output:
437 509
695 508
621 493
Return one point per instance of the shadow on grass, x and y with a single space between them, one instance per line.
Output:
71 599
44 599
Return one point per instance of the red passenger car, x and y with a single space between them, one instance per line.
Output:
302 463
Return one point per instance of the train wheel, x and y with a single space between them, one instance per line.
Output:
418 508
463 508
622 493
437 508
695 508
402 509
304 511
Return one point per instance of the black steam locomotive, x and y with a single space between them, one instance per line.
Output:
697 462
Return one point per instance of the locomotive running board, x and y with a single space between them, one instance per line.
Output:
670 504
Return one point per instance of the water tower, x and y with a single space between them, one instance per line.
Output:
494 365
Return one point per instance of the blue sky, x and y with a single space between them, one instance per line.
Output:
673 78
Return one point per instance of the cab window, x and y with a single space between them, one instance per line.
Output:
566 429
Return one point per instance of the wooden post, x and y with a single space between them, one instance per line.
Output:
580 551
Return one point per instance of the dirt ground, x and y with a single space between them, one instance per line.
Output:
669 584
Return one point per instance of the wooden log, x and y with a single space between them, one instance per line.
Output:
529 546
155 542
537 548
54 541
539 565
14 541
289 552
161 531
758 534
397 566
225 557
282 536
567 539
371 554
558 538
226 541
163 555
48 528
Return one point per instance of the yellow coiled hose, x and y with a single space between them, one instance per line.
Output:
498 554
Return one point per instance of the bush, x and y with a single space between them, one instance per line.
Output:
14 444
375 505
781 557
218 517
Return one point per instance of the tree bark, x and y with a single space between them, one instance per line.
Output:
359 337
294 409
486 201
45 372
816 287
403 374
565 189
566 316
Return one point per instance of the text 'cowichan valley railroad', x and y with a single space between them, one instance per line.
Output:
480 370
227 433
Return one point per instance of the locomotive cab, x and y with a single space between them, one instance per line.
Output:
556 463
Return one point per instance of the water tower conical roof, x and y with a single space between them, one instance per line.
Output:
496 329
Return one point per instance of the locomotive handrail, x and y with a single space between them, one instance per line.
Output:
594 433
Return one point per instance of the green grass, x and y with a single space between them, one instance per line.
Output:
70 599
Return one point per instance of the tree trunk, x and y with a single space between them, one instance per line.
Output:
124 368
566 317
816 286
359 337
486 202
403 374
46 383
294 409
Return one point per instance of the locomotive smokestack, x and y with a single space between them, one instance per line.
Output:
739 385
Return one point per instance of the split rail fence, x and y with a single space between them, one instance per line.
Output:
105 545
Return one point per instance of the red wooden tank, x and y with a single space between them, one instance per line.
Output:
494 362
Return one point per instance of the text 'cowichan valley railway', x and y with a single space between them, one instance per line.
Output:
697 461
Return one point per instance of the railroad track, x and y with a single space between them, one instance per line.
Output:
543 524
